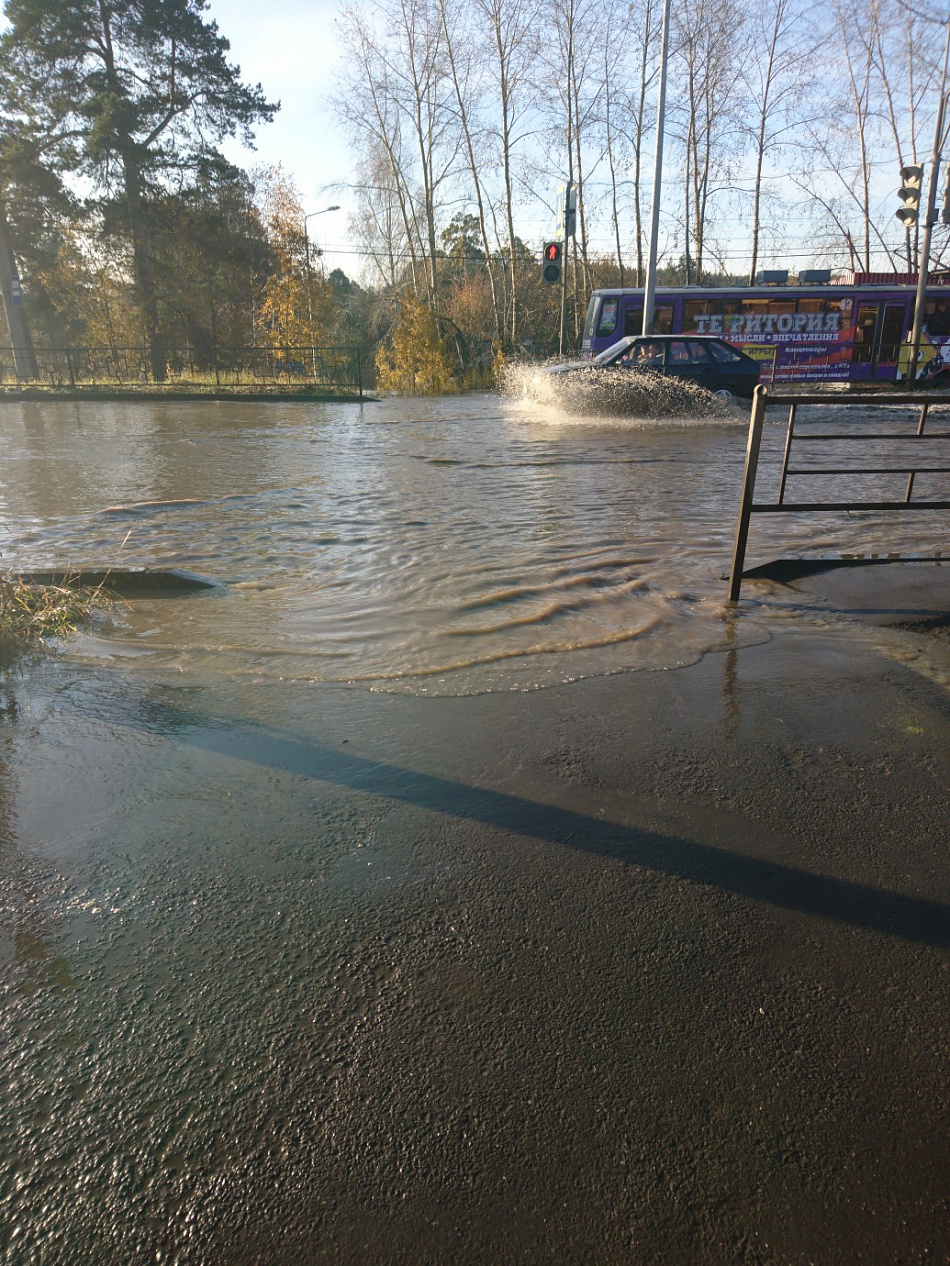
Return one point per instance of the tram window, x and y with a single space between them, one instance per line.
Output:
662 320
692 309
864 327
633 321
826 316
608 317
937 316
706 316
778 307
767 316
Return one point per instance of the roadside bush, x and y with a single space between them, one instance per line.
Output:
416 360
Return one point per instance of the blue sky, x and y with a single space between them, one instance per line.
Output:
290 48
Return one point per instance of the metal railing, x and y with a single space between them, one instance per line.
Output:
76 367
763 399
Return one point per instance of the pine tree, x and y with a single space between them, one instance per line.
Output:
131 93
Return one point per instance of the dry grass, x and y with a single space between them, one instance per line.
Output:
30 613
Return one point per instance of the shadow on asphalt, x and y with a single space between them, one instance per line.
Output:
840 900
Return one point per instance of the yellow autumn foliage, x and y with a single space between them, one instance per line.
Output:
296 307
416 359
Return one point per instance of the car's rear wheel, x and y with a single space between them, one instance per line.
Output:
728 394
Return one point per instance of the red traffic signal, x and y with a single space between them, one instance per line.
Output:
551 262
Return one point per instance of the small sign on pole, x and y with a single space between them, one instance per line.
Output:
566 214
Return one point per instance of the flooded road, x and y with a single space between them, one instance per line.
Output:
327 935
446 547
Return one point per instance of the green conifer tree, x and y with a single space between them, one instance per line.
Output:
132 93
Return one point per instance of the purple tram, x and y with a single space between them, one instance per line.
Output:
842 333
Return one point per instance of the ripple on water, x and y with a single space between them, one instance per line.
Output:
439 547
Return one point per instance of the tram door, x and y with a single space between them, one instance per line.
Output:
878 332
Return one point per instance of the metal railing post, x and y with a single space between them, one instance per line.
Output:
788 448
885 465
756 422
920 430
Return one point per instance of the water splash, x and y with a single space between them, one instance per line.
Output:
593 391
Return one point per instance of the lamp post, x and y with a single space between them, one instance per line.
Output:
306 242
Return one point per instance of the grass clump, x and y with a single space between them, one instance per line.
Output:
29 613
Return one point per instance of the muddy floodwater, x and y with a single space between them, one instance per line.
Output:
458 878
443 548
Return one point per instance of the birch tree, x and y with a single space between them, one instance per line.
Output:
778 80
707 53
463 72
511 27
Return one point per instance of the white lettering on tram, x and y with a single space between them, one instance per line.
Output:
759 323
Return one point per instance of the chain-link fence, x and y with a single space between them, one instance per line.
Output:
336 368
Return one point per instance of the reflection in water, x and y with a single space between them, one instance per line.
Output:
29 960
732 713
444 547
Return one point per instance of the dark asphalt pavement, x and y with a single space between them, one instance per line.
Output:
647 968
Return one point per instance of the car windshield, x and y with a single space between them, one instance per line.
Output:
610 354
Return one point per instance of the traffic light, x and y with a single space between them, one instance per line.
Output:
945 208
551 262
909 194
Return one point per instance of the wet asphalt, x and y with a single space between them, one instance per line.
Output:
646 968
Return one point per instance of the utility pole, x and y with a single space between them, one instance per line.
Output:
566 213
649 290
930 219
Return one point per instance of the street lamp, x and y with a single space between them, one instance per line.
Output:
306 242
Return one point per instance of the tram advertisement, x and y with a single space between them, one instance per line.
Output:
807 341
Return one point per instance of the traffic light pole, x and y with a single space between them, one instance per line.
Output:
923 265
649 289
567 229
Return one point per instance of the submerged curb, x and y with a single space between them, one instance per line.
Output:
150 397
